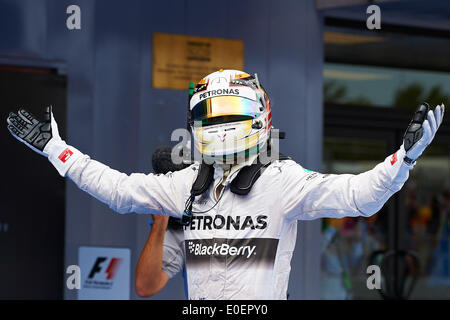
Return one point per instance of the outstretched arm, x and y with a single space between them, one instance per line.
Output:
312 195
140 193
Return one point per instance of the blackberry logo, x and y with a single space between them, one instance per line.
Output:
236 252
224 249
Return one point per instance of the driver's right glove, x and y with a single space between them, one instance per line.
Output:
43 137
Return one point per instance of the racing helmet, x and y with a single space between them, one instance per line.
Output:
229 115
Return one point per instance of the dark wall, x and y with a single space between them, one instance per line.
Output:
115 116
31 241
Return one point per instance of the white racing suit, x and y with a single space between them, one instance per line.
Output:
173 252
242 248
174 255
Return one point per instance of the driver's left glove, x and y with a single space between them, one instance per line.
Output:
421 131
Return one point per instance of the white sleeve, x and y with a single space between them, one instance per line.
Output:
311 195
137 192
173 252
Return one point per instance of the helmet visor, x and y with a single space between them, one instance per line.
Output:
224 109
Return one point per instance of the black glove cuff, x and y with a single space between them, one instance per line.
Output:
409 161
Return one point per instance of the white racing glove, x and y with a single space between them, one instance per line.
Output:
43 137
421 131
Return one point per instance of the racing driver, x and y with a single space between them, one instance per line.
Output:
240 213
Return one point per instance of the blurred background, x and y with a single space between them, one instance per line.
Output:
343 93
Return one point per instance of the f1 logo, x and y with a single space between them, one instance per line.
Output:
110 270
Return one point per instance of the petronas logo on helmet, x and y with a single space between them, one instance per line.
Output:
217 92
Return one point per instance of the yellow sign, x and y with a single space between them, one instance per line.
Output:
179 59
